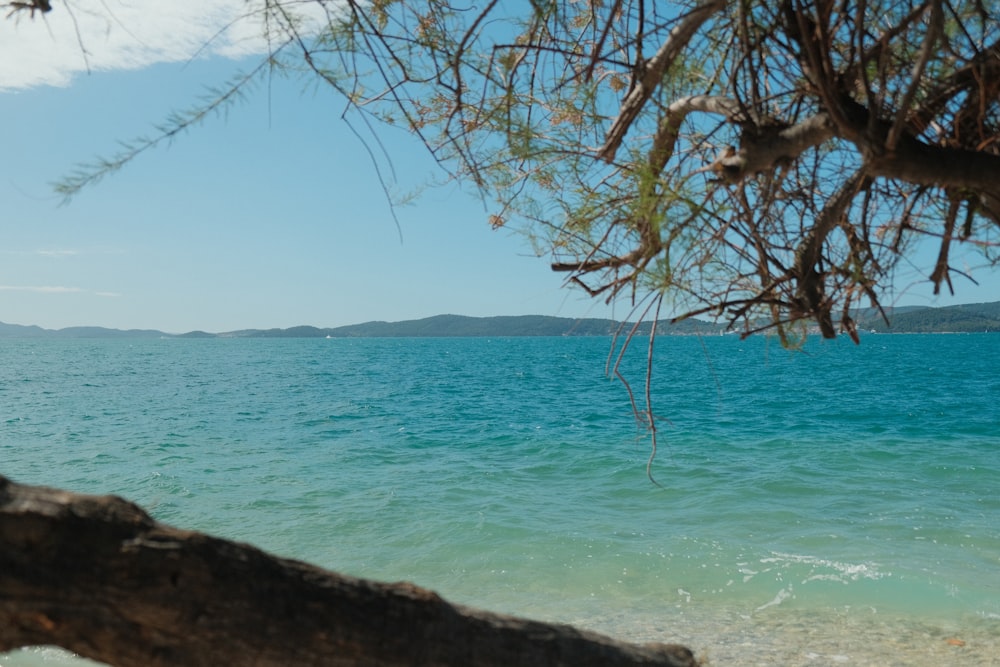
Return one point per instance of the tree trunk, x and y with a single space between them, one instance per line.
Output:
97 576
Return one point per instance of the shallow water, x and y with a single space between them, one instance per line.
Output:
841 504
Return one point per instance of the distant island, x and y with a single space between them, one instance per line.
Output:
966 318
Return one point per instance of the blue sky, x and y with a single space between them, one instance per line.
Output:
273 216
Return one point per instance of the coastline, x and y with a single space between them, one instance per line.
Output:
791 638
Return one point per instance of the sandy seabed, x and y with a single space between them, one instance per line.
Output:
787 638
792 638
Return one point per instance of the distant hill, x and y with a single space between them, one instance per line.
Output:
20 331
454 326
967 318
520 325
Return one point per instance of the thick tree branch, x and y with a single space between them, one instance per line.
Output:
922 164
98 576
670 126
762 148
652 73
767 147
30 6
919 163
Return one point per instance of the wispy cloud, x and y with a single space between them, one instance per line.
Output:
57 253
76 37
41 289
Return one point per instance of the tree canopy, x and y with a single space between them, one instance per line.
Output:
760 163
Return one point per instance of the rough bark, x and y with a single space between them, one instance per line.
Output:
765 148
96 575
912 161
956 168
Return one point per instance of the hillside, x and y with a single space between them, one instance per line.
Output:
521 325
456 326
966 318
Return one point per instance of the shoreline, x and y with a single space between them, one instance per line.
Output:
790 638
814 637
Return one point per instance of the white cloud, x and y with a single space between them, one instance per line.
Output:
78 35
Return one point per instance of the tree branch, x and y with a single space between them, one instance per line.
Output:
761 148
767 147
97 576
810 293
930 40
652 74
916 162
985 65
670 125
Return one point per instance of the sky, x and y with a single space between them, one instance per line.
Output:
271 216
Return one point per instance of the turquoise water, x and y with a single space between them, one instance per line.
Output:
838 504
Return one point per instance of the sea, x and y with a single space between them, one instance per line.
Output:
834 504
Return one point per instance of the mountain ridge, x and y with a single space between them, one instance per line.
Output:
964 318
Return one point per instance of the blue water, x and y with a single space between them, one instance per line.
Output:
840 503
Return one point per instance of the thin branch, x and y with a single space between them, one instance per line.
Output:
941 268
809 290
89 174
652 74
934 29
648 393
